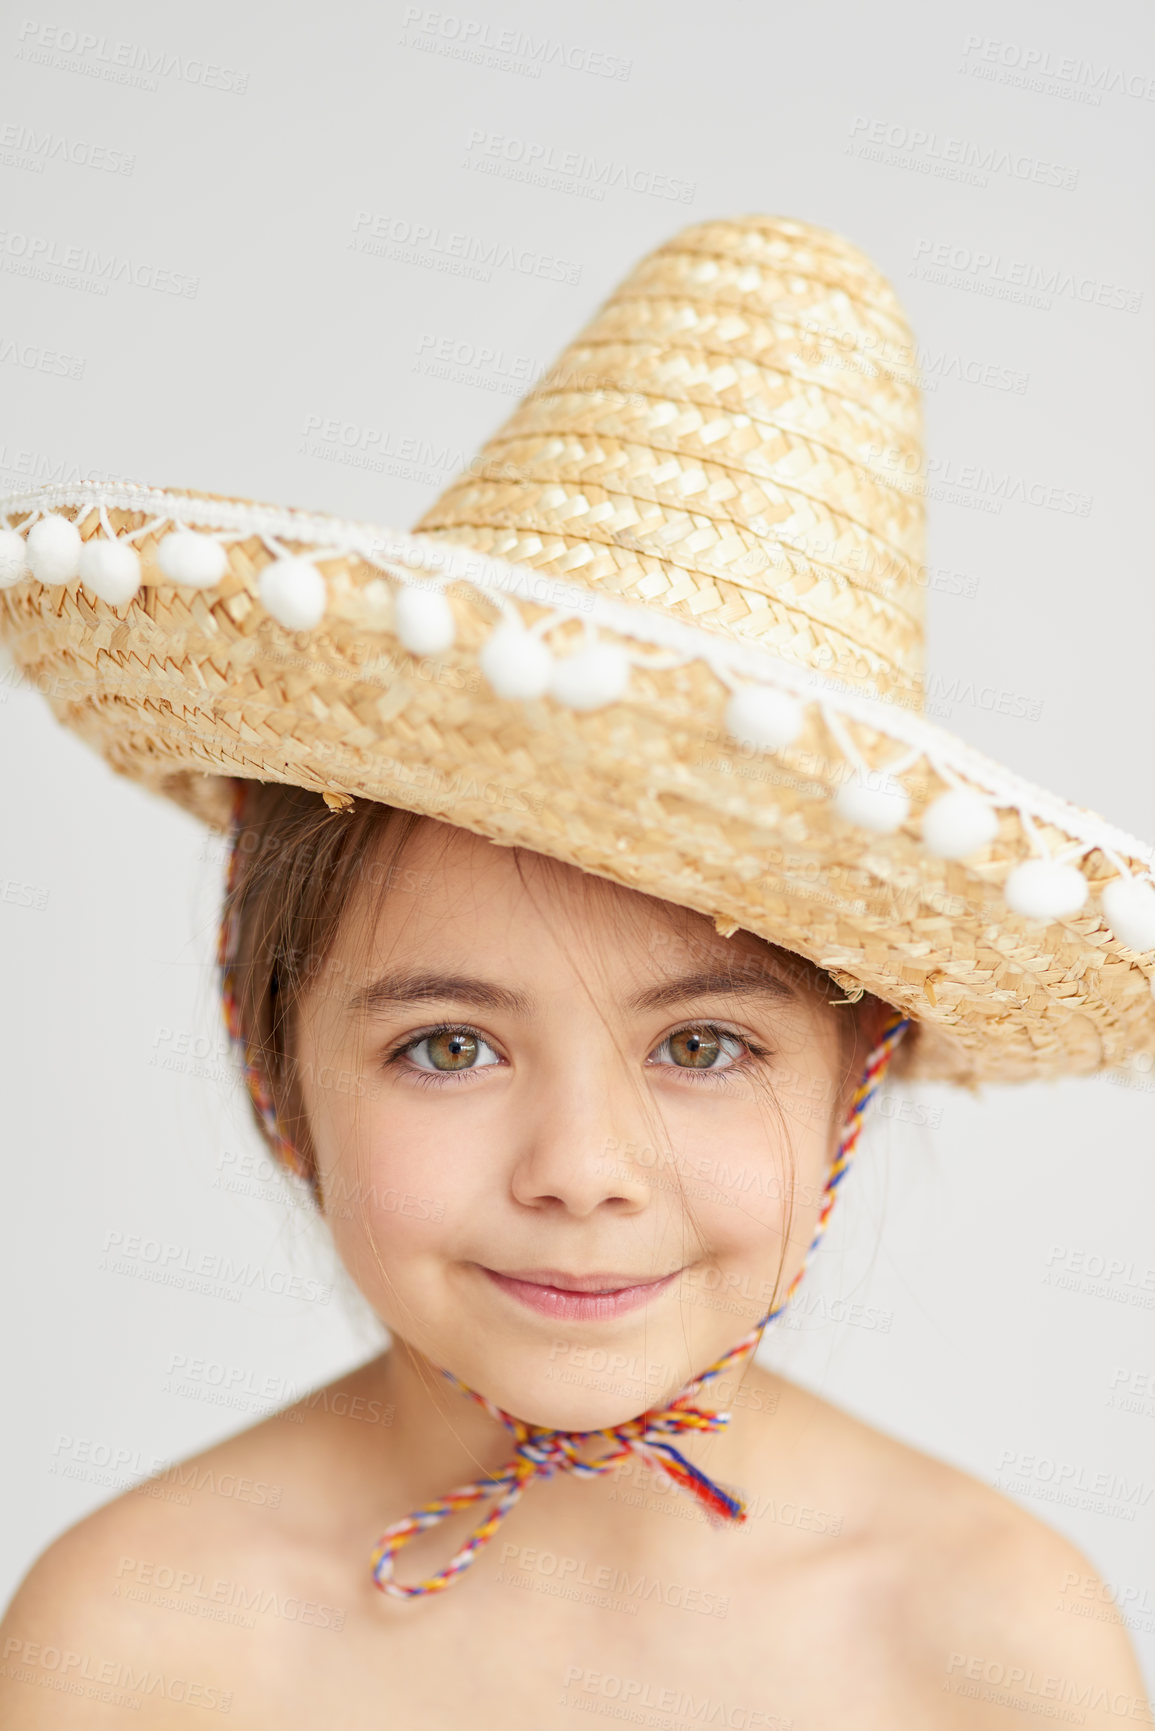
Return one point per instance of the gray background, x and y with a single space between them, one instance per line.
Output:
296 370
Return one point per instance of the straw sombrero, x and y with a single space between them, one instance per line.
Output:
667 628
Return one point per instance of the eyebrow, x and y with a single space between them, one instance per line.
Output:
709 983
393 991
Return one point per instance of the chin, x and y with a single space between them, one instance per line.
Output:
562 1397
575 1409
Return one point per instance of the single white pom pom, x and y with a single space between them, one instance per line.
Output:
515 662
13 558
958 823
54 549
881 809
293 591
1129 909
423 620
195 561
1042 889
591 678
111 569
766 719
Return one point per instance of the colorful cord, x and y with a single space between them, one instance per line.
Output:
539 1452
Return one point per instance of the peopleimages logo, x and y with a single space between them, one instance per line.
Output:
82 267
179 1265
1024 1474
509 48
568 170
652 1703
929 152
1046 1694
1033 67
121 62
993 273
567 1577
384 236
36 148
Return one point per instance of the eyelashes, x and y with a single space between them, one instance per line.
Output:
429 1076
714 1075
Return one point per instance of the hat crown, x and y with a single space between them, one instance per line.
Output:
736 436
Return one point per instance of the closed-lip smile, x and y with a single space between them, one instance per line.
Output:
579 1297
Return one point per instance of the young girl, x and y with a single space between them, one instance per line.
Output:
565 955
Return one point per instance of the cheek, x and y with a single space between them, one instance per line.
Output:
399 1195
391 1215
751 1176
755 1206
390 1240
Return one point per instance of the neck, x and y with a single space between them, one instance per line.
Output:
440 1438
437 1432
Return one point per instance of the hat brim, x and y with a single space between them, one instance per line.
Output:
183 688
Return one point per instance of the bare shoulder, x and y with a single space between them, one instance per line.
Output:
1003 1611
85 1639
188 1588
1031 1623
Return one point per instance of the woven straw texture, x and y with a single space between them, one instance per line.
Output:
729 440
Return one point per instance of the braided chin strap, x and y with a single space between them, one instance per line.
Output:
540 1452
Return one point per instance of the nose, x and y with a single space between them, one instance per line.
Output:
572 1146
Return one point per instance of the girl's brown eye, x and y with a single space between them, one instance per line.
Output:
695 1048
452 1049
448 1052
702 1049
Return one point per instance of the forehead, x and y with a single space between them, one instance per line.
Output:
449 896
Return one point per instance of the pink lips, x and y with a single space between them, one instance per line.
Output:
579 1298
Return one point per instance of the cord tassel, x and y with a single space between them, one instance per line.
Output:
716 1502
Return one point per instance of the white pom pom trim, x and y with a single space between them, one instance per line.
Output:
880 809
958 823
423 620
1129 909
759 716
111 569
592 678
192 560
1044 889
516 662
54 550
293 591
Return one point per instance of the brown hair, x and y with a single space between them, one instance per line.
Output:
298 863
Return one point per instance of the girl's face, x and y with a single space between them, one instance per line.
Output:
572 1142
